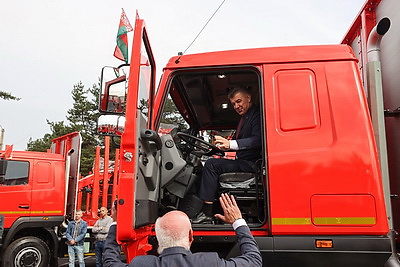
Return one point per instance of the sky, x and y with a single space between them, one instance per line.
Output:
47 46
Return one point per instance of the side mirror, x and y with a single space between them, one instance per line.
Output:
3 170
112 125
113 91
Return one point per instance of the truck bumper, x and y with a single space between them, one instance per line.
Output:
295 251
346 251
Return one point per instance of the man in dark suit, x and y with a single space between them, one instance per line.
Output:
246 143
175 235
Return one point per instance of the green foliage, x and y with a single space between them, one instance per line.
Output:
81 117
57 129
8 96
143 107
170 114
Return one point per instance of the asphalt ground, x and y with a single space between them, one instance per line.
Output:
90 261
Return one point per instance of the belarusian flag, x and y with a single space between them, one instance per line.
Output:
121 50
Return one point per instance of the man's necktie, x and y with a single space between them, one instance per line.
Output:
238 128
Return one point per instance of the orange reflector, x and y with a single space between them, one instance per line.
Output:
324 243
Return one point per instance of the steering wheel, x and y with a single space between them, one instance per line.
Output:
203 146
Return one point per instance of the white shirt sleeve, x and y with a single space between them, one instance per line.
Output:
238 223
233 145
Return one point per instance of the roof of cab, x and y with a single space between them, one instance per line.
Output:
289 54
21 155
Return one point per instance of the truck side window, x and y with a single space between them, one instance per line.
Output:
145 80
171 118
17 173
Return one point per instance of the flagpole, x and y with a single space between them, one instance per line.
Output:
1 137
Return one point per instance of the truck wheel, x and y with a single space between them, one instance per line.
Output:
27 252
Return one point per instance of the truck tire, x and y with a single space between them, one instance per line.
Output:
27 252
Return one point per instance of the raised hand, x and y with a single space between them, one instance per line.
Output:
230 208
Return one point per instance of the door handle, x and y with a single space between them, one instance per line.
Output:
23 207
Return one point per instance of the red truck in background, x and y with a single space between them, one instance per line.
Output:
317 197
42 192
37 192
100 187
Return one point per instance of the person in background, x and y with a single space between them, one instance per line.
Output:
100 231
175 236
75 234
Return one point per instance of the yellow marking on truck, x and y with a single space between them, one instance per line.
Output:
52 211
325 221
291 221
345 220
30 212
14 212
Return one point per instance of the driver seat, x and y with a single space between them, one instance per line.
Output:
247 187
241 179
237 179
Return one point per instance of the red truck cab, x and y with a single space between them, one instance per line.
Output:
38 193
317 197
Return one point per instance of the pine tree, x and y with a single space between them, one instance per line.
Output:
81 117
42 144
8 96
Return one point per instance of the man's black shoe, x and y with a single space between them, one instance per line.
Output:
202 218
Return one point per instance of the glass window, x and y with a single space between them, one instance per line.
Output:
145 78
17 173
171 118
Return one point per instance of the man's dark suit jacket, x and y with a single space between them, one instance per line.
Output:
249 137
178 256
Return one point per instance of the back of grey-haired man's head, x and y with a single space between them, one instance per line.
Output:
172 230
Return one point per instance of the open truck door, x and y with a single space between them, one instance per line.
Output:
126 105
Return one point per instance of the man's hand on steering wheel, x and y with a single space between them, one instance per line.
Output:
200 145
222 143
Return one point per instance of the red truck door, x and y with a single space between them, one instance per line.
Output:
140 91
48 188
16 191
